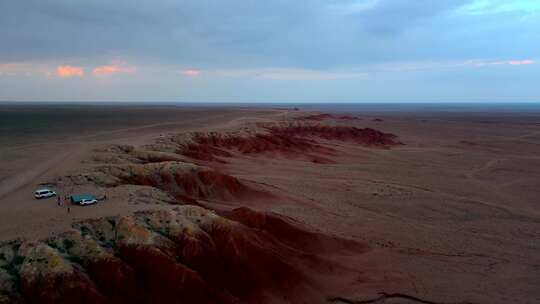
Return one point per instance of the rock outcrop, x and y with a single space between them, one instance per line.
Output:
294 141
186 255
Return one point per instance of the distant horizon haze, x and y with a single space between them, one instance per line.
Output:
365 107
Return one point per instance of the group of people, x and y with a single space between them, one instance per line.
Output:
60 203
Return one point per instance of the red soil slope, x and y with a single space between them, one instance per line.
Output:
190 255
293 141
215 146
292 233
192 185
366 137
317 117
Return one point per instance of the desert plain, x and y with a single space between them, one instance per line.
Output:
269 205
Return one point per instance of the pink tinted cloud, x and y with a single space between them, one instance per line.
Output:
191 72
502 62
114 68
69 71
521 62
14 66
12 69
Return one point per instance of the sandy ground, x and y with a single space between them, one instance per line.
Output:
452 216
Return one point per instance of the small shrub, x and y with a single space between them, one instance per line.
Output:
68 244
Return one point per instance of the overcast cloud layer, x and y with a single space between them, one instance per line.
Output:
275 50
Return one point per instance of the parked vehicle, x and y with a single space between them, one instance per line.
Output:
44 193
86 201
79 198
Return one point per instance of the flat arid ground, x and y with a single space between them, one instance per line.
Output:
269 205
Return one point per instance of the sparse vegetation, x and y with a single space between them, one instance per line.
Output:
68 244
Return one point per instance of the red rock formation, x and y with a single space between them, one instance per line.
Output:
348 117
213 146
366 137
45 277
293 141
291 233
190 184
61 288
245 262
221 185
164 280
325 116
317 117
190 255
115 279
205 152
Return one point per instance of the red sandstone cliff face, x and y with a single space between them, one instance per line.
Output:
290 141
326 116
366 137
184 181
294 140
190 255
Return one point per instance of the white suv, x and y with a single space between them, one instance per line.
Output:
86 201
44 193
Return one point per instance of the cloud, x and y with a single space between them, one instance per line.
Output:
390 18
287 74
16 68
491 7
270 41
24 68
69 71
483 63
351 7
325 33
521 62
191 72
427 65
115 68
8 67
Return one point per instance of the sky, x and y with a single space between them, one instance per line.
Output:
270 51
